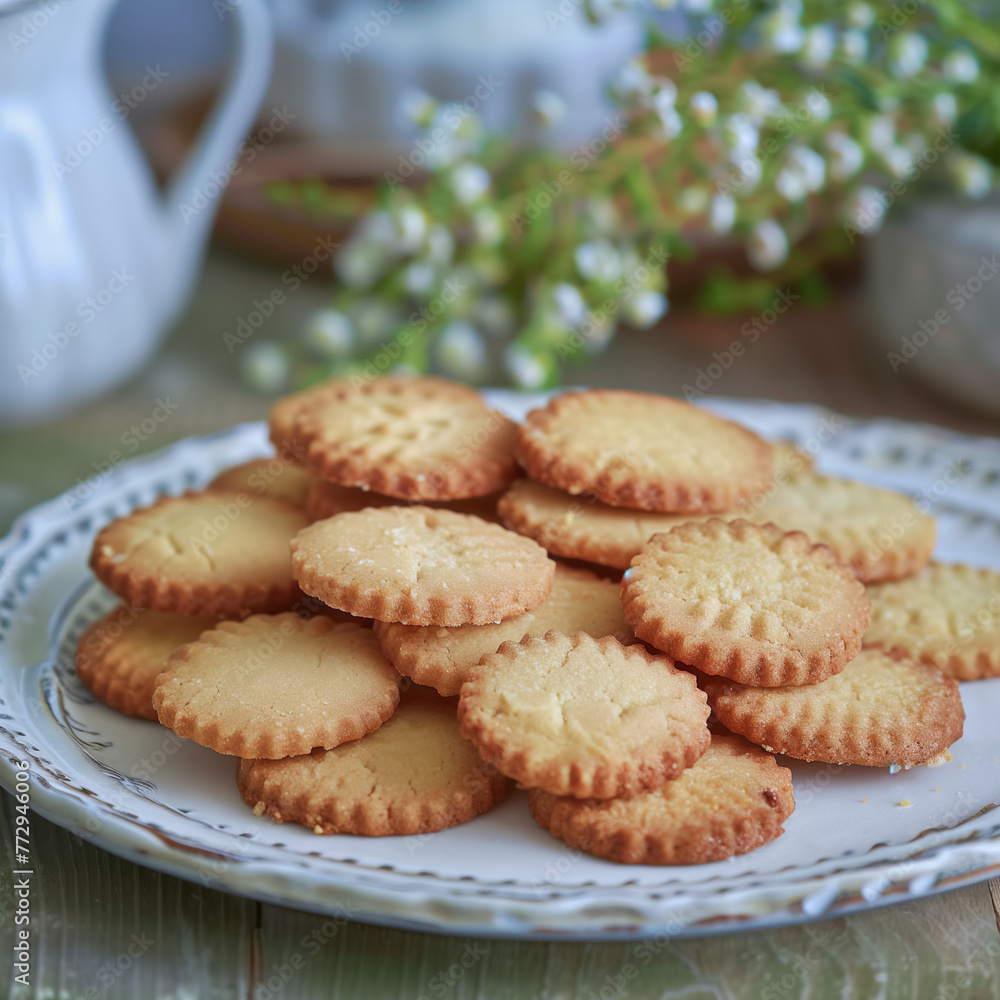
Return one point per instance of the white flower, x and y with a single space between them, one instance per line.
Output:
598 260
418 277
846 155
462 353
854 45
633 81
740 134
572 307
645 308
417 106
602 215
767 247
860 15
790 185
865 209
411 228
972 175
722 214
524 368
469 182
819 105
899 160
549 107
328 334
759 102
907 53
704 107
488 226
782 32
960 66
665 94
881 133
692 200
265 367
373 320
819 45
440 245
670 121
944 107
810 165
359 263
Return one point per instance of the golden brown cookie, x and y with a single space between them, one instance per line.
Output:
276 686
884 708
443 658
584 717
580 527
631 449
413 775
733 799
326 499
880 534
412 438
421 566
746 601
945 615
120 656
214 553
273 477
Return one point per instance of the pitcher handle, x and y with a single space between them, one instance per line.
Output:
194 190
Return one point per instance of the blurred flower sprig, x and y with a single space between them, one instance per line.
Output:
790 125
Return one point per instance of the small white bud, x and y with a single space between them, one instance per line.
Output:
572 307
549 107
960 66
469 182
860 15
645 308
972 175
526 371
328 334
767 247
704 107
265 367
847 156
854 46
865 209
462 353
817 50
722 214
907 53
944 107
598 260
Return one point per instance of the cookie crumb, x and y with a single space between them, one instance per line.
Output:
905 804
258 810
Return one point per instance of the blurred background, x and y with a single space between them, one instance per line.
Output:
206 203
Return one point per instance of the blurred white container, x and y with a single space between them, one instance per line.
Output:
344 66
94 262
933 298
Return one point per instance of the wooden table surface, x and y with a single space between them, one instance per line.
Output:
106 928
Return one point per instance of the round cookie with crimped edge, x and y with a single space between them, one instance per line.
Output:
277 686
852 519
884 708
632 449
732 800
580 527
411 438
273 477
120 656
746 601
947 615
584 717
443 658
285 412
421 566
415 774
215 553
327 499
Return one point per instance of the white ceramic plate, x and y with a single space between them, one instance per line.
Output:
138 790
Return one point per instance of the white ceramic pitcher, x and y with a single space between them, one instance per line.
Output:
94 262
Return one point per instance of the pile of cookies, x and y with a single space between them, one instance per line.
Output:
373 622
